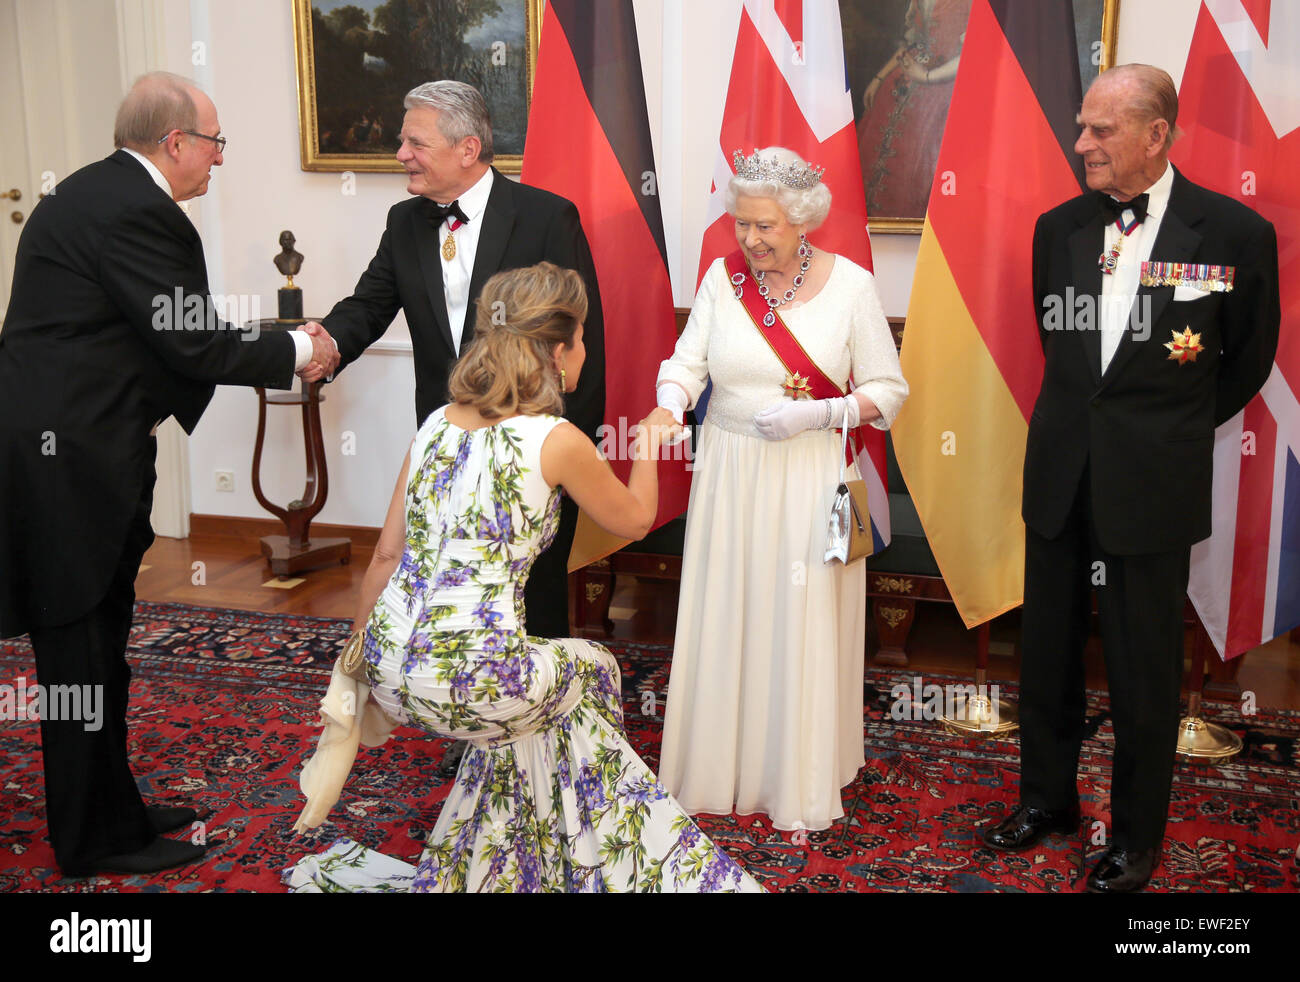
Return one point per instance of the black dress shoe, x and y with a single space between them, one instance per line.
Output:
451 759
158 855
1026 826
164 818
1123 870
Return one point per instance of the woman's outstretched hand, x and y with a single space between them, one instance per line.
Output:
660 428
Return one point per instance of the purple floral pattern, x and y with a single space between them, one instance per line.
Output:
550 797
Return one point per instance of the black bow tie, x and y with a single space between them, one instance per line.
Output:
1115 209
440 213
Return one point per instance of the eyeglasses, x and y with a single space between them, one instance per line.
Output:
220 141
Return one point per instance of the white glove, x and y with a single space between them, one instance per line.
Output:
786 419
673 398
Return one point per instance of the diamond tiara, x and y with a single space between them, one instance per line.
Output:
755 168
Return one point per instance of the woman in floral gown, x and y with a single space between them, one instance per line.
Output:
549 796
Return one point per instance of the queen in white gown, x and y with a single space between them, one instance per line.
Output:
549 795
764 708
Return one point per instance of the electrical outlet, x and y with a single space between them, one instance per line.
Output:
225 480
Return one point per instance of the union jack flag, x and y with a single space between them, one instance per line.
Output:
1240 112
789 88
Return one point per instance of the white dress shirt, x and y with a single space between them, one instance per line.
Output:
1119 289
456 272
301 342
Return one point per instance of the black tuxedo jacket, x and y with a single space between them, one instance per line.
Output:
522 226
94 352
1145 429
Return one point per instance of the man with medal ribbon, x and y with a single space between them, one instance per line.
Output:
1119 455
463 223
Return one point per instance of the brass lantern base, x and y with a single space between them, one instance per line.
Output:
1206 741
978 717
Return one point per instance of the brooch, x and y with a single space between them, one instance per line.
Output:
1184 347
796 386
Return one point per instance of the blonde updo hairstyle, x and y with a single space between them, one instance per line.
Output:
508 369
800 206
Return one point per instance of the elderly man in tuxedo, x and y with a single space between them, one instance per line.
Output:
465 223
1118 462
110 330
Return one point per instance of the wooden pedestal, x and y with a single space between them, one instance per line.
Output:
297 552
286 559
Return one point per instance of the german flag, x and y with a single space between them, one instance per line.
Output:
589 140
971 351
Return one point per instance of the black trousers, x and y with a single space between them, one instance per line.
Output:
546 596
92 805
1140 603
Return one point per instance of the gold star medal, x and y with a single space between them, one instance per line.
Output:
1184 347
449 248
796 386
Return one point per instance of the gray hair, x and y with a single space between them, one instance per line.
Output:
807 206
157 103
1153 95
461 110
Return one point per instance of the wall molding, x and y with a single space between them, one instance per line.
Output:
238 527
382 347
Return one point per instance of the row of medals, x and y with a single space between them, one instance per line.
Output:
1203 276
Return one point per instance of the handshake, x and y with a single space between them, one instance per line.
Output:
324 354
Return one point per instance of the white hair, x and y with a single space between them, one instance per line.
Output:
808 206
461 110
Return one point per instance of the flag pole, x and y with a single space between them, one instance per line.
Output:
981 715
1198 738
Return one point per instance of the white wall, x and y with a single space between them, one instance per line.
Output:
686 47
1157 32
259 191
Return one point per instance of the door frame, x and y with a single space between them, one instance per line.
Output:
141 37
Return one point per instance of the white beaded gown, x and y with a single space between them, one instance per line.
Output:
764 707
550 797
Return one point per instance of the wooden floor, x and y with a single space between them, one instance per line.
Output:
220 565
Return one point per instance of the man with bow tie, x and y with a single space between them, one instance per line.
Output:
465 223
1119 455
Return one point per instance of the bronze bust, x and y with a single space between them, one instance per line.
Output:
288 261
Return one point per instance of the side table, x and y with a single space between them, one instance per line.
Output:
297 551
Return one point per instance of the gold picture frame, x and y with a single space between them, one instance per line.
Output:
335 148
1096 24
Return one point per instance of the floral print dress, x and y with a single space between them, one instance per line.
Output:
549 795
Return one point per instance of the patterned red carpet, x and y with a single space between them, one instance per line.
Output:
223 701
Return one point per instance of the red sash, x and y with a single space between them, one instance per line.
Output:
803 375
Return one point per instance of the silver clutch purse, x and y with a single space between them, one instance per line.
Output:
848 536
